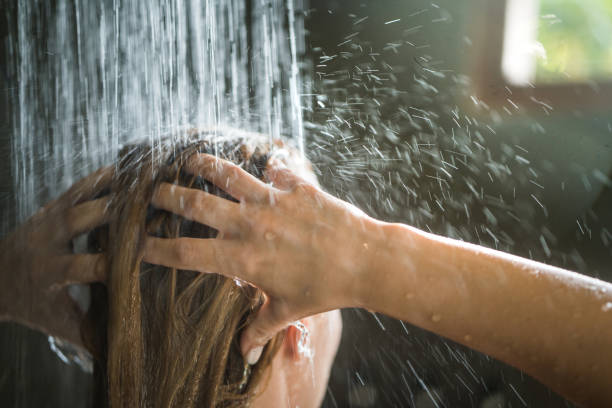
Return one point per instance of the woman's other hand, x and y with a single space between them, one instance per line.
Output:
37 262
304 248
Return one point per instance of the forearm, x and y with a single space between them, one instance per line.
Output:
551 323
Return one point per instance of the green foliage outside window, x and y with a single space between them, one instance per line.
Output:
577 37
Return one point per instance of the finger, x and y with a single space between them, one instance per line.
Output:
266 324
283 178
80 268
66 320
197 205
195 254
88 187
87 216
229 177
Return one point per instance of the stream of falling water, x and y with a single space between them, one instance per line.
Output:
94 75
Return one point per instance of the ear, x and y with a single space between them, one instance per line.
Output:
295 339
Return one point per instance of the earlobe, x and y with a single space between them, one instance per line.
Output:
290 345
297 340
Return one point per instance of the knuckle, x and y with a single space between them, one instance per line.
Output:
280 174
305 189
247 219
71 270
69 224
244 226
101 269
232 171
192 203
272 173
183 252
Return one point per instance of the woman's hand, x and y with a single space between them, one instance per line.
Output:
310 252
304 248
37 262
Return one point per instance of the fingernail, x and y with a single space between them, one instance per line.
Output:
253 355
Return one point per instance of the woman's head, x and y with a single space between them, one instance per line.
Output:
165 337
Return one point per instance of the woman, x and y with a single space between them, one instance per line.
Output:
310 252
162 337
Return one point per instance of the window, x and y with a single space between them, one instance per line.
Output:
577 37
543 54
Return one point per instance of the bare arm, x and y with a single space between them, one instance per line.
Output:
311 252
554 324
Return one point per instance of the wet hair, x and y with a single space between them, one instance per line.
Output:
163 337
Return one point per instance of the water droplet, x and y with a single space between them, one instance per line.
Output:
436 318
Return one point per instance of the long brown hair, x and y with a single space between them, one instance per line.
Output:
163 337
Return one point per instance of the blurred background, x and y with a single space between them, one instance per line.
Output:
483 120
502 111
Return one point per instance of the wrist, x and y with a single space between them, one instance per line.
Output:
376 254
389 264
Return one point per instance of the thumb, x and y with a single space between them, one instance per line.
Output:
266 324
